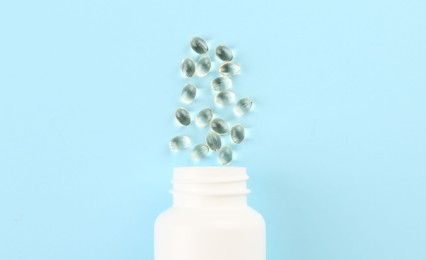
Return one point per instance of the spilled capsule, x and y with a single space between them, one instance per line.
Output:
182 116
179 143
243 106
199 45
188 67
188 93
224 53
237 133
213 141
225 155
199 152
204 117
219 126
224 98
221 84
203 66
229 69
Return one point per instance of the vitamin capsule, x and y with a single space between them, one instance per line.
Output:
229 69
182 116
188 67
188 93
237 133
199 45
199 152
213 141
243 106
204 117
221 84
224 53
224 98
225 155
179 143
219 126
203 66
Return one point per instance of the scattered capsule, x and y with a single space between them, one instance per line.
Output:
243 106
229 69
188 67
188 93
182 116
204 117
219 126
221 84
179 143
224 53
237 133
203 66
199 152
213 141
199 45
225 155
224 98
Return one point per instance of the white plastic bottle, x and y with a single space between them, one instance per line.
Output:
210 219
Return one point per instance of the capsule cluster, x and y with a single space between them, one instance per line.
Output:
221 136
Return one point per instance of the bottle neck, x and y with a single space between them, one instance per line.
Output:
210 187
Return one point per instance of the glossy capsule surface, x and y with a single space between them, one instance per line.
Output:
243 106
183 116
219 126
204 117
213 141
179 143
225 155
199 45
224 98
224 53
188 67
188 94
221 84
237 133
229 69
203 66
199 152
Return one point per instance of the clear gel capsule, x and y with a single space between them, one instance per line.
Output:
229 69
204 117
213 141
224 53
188 67
203 66
224 98
219 126
188 93
199 152
199 45
179 143
243 106
237 133
221 84
182 116
225 155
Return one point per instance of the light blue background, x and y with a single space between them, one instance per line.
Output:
337 147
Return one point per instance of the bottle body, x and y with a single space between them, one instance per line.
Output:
210 218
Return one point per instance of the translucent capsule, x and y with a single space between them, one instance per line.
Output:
243 106
204 117
213 141
229 69
182 116
203 66
179 143
188 93
237 133
225 155
219 126
221 84
224 98
224 53
188 67
199 45
199 152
